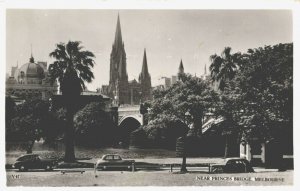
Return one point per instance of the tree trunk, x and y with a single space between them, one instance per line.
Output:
183 164
69 137
198 125
30 146
226 147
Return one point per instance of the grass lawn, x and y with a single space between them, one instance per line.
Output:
89 153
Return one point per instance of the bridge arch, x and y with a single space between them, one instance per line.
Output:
137 117
128 124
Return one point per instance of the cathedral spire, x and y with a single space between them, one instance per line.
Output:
118 37
181 68
145 66
180 71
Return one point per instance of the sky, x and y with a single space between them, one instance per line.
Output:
167 35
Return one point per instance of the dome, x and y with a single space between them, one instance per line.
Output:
31 70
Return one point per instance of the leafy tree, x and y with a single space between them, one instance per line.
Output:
265 84
72 67
223 69
260 94
29 122
165 132
93 126
186 101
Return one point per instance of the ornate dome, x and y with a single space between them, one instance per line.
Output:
31 70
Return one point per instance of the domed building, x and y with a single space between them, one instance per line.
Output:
31 80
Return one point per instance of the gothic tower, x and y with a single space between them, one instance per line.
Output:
118 81
145 80
180 71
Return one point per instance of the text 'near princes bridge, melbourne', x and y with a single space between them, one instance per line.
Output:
236 117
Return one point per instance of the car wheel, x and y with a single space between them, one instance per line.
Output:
22 168
48 168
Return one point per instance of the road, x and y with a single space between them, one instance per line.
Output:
196 177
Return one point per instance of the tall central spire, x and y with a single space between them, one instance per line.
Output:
118 37
118 81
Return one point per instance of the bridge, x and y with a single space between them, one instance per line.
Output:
129 120
130 111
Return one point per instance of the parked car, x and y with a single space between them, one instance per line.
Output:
34 161
113 161
232 165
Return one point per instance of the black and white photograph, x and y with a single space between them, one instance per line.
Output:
148 97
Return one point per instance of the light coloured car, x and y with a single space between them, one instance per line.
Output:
114 161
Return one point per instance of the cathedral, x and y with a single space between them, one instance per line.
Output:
120 89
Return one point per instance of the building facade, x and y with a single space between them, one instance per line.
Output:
120 89
31 80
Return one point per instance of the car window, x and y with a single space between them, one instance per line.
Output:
109 157
116 157
21 158
24 158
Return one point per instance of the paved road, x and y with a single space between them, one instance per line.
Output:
196 177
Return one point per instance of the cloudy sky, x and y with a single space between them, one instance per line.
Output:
167 35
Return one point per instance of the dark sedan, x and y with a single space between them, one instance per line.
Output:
34 161
232 165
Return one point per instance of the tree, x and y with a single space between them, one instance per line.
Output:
93 126
191 95
224 67
259 99
165 132
29 121
265 84
72 67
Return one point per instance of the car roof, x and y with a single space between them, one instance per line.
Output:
26 155
223 162
111 155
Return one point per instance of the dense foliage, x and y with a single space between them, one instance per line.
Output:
93 126
186 101
259 97
33 121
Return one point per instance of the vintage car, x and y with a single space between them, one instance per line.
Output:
113 161
232 165
34 161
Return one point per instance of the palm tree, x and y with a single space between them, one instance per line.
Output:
223 67
72 67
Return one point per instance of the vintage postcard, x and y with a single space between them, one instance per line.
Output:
148 96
